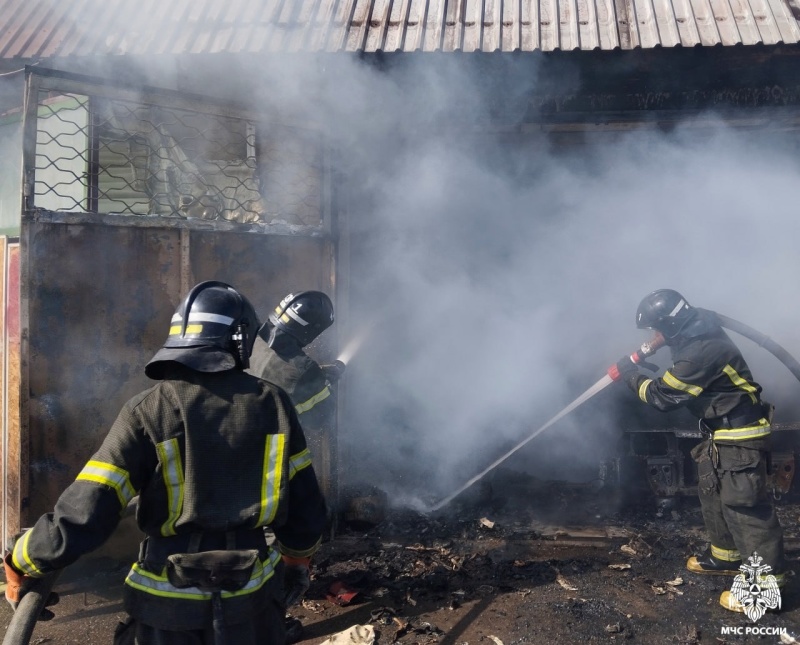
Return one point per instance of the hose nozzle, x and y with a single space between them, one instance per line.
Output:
649 348
334 371
640 355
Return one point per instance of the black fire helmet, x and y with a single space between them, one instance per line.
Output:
664 310
212 330
304 315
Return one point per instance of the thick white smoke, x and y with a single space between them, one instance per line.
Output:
499 271
505 274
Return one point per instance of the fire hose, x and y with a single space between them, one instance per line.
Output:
22 624
759 339
639 357
27 613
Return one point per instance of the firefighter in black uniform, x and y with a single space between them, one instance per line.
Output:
215 456
711 379
279 357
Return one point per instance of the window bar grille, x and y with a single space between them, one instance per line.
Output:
93 164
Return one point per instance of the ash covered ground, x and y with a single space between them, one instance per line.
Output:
535 562
526 561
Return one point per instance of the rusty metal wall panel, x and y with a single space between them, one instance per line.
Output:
11 461
97 300
4 379
264 267
16 471
38 29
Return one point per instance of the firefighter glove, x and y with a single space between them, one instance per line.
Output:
17 585
334 371
296 579
627 368
648 366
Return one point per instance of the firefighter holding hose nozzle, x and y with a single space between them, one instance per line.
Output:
215 456
279 357
710 378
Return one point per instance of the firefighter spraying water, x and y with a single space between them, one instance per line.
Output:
711 379
637 358
353 346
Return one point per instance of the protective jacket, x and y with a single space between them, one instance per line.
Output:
214 458
291 369
711 379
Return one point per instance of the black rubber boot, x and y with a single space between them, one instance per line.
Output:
294 630
709 565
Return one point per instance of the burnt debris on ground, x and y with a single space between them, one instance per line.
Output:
527 561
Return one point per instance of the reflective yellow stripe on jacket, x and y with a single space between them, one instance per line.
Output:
305 406
22 560
272 474
677 384
757 431
159 585
643 389
299 461
169 454
105 474
739 382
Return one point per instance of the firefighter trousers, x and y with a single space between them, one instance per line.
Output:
737 510
267 628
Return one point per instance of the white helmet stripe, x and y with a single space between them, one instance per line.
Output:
205 317
212 318
293 315
678 307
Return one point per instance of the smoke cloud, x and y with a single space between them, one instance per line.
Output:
501 273
498 269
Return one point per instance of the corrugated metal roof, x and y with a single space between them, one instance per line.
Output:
40 29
